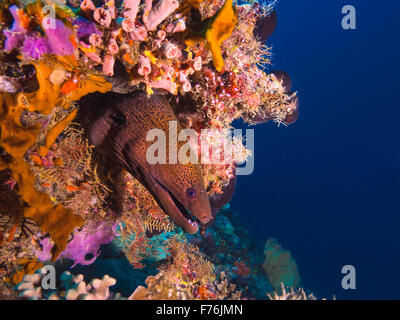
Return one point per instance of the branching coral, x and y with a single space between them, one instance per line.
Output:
292 294
73 288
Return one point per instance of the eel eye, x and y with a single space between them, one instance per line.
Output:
118 118
191 193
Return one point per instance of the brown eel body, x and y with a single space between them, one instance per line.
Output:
119 127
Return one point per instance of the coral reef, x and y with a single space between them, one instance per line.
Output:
187 276
208 267
81 85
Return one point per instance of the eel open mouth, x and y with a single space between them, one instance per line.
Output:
191 224
169 201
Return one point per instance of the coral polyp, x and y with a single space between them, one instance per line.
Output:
83 85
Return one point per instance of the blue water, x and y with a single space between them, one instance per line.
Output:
327 187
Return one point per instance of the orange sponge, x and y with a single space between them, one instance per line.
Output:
218 29
16 139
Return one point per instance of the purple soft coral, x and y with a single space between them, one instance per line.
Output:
45 254
16 35
60 39
14 39
35 48
85 242
85 28
17 25
57 41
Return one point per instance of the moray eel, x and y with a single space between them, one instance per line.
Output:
120 131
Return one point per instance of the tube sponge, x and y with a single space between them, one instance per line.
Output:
159 13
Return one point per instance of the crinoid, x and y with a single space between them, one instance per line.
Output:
142 219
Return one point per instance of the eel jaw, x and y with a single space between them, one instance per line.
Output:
171 205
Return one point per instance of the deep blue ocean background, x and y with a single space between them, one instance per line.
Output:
328 187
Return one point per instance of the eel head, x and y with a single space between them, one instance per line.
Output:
120 132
